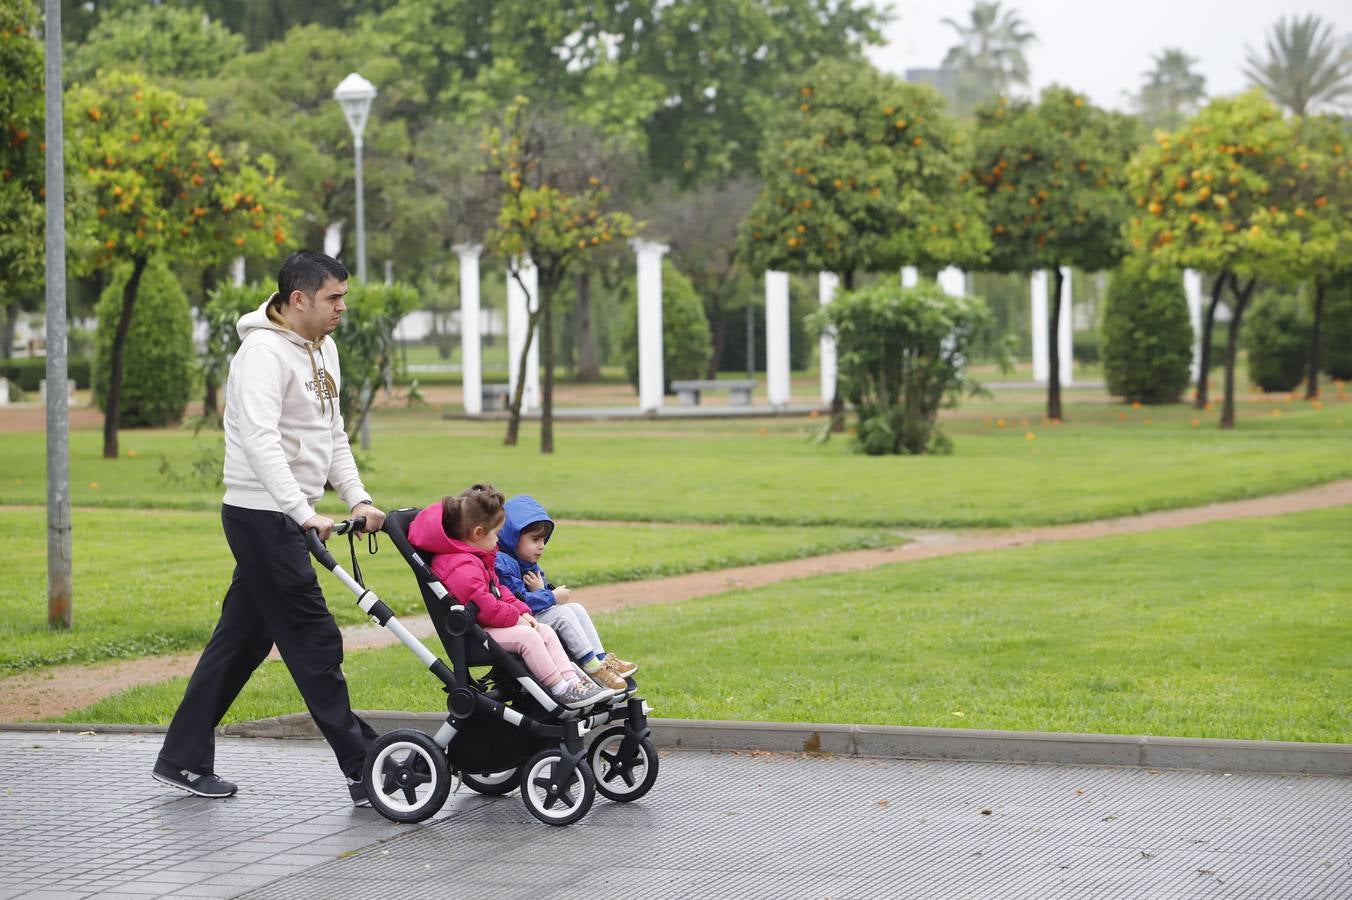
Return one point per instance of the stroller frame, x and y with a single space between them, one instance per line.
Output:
502 730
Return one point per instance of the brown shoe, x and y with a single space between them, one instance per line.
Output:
608 679
618 666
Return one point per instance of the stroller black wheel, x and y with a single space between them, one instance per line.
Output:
622 777
494 784
552 803
406 776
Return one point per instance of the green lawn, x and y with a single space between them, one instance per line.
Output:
151 582
1009 468
1233 630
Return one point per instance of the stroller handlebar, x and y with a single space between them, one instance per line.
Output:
317 548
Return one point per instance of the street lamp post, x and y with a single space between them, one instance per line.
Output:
355 94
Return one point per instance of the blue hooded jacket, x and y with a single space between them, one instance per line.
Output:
523 511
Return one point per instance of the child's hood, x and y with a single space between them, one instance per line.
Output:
427 533
523 511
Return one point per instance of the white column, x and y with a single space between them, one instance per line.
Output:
518 320
1065 332
651 377
471 363
910 276
777 338
333 239
953 281
237 271
1038 317
827 282
1192 287
4 392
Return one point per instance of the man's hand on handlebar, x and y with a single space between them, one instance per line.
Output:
374 517
321 525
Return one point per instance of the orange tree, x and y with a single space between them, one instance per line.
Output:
21 162
1219 196
863 172
1052 177
554 211
1321 213
145 162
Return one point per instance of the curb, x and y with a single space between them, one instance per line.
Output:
874 742
902 742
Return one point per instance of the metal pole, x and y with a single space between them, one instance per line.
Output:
58 413
361 215
750 341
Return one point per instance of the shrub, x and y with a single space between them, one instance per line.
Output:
25 373
1335 331
157 360
1147 338
1086 346
1277 338
685 330
366 347
901 354
225 305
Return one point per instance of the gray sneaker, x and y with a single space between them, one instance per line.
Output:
584 692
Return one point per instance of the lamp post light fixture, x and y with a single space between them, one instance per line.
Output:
355 94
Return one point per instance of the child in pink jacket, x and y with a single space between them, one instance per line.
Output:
461 533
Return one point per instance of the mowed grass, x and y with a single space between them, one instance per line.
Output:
1009 468
149 582
1228 630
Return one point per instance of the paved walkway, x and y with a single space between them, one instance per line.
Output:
82 817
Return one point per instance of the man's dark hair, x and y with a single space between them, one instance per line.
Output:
306 271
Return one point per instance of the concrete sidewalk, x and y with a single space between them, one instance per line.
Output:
82 817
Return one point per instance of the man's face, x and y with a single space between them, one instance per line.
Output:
530 547
320 313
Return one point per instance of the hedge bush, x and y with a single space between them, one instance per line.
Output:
1277 338
157 361
1335 331
686 344
1147 338
26 372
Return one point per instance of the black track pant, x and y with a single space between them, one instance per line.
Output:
273 597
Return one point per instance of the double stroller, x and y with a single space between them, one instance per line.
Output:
503 729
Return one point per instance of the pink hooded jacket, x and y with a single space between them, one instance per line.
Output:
465 570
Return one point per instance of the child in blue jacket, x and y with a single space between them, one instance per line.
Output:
521 543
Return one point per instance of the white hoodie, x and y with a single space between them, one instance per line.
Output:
284 435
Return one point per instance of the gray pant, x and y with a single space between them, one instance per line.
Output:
574 628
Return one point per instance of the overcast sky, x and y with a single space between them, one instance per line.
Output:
1103 48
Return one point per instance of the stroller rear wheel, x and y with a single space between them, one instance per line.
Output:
406 775
550 801
622 776
494 784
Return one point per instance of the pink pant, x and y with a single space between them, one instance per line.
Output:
538 646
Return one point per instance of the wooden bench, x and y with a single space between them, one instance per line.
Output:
739 391
495 397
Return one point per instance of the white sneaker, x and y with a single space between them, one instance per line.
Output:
584 692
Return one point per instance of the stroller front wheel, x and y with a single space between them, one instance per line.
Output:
622 776
406 775
493 784
551 801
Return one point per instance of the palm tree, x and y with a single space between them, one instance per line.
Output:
1172 90
1305 65
989 57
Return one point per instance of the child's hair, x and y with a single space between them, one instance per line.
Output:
481 505
541 529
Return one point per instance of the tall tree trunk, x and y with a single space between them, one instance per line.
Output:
7 329
1054 351
1199 400
113 401
1312 387
547 351
588 352
1241 295
514 420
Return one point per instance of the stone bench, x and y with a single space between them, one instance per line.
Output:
495 397
739 391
